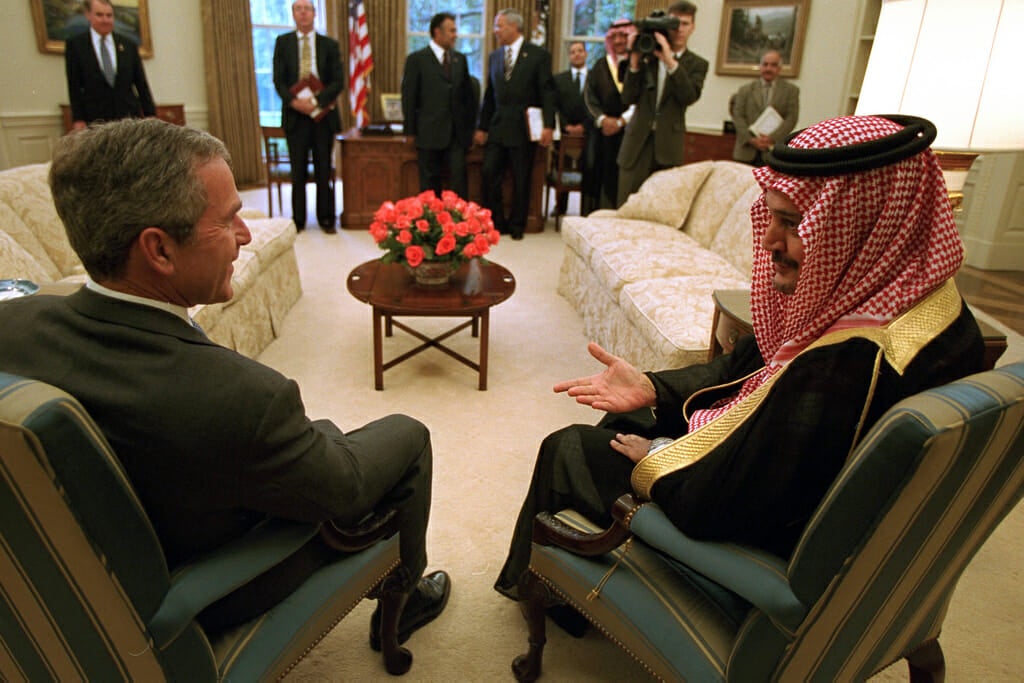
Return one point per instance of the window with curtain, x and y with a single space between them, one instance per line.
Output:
271 18
469 18
588 21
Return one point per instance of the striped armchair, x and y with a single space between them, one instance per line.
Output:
85 592
868 584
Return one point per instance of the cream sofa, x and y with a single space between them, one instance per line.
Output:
642 276
33 246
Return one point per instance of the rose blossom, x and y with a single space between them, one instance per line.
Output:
414 255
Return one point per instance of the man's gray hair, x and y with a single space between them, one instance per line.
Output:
512 17
113 180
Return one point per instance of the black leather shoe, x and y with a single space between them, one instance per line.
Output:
329 229
425 604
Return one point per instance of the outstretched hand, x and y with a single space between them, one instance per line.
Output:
618 389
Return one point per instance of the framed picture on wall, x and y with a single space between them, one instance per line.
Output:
391 105
750 27
57 20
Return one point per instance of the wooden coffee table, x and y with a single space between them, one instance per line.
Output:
391 291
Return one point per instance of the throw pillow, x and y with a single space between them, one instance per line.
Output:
667 195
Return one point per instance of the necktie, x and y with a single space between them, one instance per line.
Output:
446 64
767 93
106 63
508 63
576 80
306 67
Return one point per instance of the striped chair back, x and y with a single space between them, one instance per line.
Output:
81 569
880 559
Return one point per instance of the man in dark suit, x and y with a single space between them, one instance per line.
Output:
518 77
603 98
573 117
213 442
310 119
439 107
106 80
661 85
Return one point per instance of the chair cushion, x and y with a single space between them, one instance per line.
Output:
667 196
672 619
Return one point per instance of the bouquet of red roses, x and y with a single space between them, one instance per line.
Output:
426 227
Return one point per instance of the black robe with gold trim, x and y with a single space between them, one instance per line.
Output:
761 483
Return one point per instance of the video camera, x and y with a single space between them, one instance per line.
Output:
657 22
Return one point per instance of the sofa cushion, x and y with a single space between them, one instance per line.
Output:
584 235
17 264
27 191
16 229
271 237
674 314
632 259
724 186
734 239
666 197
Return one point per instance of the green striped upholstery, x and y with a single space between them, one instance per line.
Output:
85 592
873 573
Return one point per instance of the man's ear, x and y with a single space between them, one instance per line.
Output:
157 249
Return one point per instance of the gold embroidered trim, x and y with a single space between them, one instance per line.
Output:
900 341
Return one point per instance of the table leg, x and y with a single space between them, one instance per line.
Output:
484 328
476 328
388 330
378 350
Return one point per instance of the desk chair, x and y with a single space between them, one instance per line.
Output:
869 582
85 592
565 170
279 168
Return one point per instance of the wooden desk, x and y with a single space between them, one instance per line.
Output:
172 113
376 169
708 147
732 320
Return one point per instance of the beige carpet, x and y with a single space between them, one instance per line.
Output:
484 447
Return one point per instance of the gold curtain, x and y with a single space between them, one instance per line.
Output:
231 85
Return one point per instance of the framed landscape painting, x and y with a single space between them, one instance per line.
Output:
57 20
751 27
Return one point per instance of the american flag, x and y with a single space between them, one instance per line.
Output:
360 62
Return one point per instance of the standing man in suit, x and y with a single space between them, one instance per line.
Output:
307 128
661 85
213 442
518 76
603 98
573 117
439 107
754 98
106 80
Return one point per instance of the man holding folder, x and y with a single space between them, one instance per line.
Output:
309 76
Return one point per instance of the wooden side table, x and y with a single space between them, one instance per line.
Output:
391 291
732 320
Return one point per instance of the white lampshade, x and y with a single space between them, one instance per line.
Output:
955 63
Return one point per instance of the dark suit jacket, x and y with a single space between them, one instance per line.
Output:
329 70
436 109
747 105
681 89
211 440
92 98
600 95
571 109
503 111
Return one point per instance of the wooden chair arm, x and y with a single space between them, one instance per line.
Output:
549 530
374 528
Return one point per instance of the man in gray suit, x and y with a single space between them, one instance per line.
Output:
212 441
439 107
752 100
661 85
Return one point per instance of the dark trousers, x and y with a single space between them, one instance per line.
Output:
496 158
305 136
432 163
394 462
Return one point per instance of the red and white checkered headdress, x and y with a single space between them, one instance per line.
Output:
877 238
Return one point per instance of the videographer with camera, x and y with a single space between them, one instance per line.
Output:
664 78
